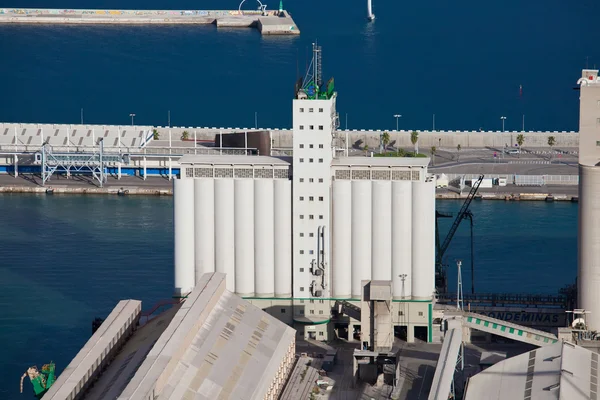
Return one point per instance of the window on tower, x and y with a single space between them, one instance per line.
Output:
301 180
301 127
311 216
301 109
311 110
301 198
320 110
311 198
311 127
301 251
320 146
320 160
311 180
302 160
320 198
320 127
310 146
320 180
301 146
310 160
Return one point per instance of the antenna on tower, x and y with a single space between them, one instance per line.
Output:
312 86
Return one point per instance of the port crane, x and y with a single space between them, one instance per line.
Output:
441 278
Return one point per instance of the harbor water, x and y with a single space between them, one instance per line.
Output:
68 259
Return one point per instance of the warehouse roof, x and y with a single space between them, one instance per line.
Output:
217 346
559 371
216 159
381 161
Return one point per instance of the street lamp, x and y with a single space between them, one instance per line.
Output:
397 116
503 119
132 115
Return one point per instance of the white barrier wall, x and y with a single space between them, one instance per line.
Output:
204 225
423 240
244 237
283 238
264 253
342 239
183 218
224 230
402 209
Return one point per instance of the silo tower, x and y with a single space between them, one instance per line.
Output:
588 296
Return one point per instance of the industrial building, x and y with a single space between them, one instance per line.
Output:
212 345
297 236
589 191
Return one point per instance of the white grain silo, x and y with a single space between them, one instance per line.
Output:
264 238
204 225
283 238
342 239
361 234
588 280
423 240
244 237
401 239
225 230
183 220
381 238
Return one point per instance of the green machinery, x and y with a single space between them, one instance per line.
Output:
41 380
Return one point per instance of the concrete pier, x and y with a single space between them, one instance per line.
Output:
267 22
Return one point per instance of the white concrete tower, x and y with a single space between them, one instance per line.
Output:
315 121
588 280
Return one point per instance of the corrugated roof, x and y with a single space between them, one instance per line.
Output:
559 371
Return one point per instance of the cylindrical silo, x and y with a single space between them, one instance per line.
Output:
588 279
381 238
361 234
423 240
283 238
264 238
244 237
183 219
204 225
224 230
341 253
401 239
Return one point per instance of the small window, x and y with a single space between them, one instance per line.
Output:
311 110
311 127
311 252
311 235
321 160
321 334
283 310
301 180
302 311
311 216
301 198
302 270
301 109
302 160
312 311
301 146
311 159
320 198
311 180
301 234
311 198
322 252
320 180
320 146
320 312
320 110
302 288
301 216
598 143
301 251
301 127
321 234
597 121
320 127
420 313
320 217
311 146
400 313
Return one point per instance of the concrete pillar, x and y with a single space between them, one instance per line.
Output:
144 162
119 170
410 333
170 169
16 166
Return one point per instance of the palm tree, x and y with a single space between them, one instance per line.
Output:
551 143
366 150
433 150
155 134
185 135
458 147
385 139
414 139
520 141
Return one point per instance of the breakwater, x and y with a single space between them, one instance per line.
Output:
268 22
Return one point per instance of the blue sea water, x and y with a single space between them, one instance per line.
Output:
68 259
462 61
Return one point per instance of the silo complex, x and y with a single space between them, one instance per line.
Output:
264 255
244 237
423 240
283 238
588 281
342 239
401 239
